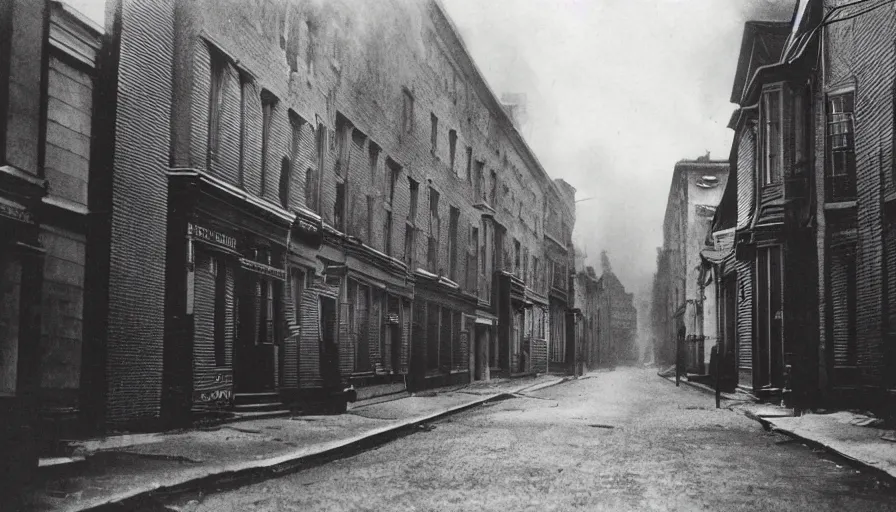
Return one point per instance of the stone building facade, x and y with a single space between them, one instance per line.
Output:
49 59
694 194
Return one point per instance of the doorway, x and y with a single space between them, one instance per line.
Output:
770 344
329 350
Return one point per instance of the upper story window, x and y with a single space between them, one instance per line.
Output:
215 107
373 154
290 164
434 132
452 148
432 250
268 102
407 111
841 157
771 135
414 189
310 46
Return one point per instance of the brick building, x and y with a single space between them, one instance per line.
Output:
340 203
852 120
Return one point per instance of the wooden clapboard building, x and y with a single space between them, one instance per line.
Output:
766 280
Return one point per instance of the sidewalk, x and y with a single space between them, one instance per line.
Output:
855 437
138 466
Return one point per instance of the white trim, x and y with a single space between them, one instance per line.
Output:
65 204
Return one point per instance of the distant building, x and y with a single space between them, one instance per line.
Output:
617 323
695 191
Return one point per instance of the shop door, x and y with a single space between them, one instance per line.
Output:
329 350
769 356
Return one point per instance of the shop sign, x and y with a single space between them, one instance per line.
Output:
211 236
220 390
261 268
308 231
19 214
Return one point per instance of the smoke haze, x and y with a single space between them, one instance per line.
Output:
618 91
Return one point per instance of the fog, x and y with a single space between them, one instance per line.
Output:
617 91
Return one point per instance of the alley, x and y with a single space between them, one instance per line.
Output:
620 440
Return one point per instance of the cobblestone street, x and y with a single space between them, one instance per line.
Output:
621 440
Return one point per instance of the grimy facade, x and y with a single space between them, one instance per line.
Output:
801 254
342 205
273 205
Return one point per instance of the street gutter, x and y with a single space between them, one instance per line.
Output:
237 474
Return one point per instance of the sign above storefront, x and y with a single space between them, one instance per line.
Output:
261 268
211 236
308 229
19 214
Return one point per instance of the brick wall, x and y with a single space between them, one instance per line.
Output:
143 41
860 56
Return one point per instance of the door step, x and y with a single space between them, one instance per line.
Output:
257 402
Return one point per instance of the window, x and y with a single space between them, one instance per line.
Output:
771 135
409 245
268 101
474 257
516 257
414 189
841 164
477 180
453 218
311 189
407 111
371 201
536 277
432 252
493 193
245 84
373 152
343 132
434 133
800 129
286 172
387 233
216 97
392 172
339 207
310 43
452 148
468 176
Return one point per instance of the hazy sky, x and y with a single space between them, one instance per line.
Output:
618 91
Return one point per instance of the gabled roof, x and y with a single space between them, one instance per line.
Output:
761 45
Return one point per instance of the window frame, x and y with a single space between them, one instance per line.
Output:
846 151
775 91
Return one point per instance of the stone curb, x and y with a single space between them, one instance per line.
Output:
769 424
255 470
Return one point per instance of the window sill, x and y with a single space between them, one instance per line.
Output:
839 205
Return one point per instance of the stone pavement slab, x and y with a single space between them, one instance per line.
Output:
839 434
122 468
854 436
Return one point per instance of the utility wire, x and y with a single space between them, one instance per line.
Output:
860 13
